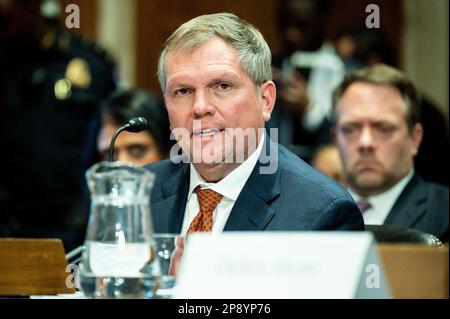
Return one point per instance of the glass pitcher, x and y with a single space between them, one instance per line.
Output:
119 259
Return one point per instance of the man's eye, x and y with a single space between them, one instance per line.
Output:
182 91
386 129
224 86
138 151
346 130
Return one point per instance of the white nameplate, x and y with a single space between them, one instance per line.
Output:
281 265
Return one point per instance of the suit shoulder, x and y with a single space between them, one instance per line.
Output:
307 179
420 187
167 167
322 202
161 166
439 188
438 191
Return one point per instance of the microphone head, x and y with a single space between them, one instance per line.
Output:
136 124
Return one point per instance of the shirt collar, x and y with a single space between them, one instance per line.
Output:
386 200
232 184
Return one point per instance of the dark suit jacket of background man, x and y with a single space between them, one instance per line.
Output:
294 198
422 206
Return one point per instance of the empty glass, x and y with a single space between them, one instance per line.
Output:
119 260
165 245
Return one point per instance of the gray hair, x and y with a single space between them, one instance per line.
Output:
252 50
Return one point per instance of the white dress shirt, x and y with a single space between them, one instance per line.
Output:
381 204
230 187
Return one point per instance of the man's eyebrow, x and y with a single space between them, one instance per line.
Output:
349 122
226 77
135 145
227 74
177 84
374 122
184 82
385 121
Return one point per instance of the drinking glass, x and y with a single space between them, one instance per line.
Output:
165 245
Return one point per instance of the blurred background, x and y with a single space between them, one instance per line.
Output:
134 31
56 84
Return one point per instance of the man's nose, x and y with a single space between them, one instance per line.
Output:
202 105
366 139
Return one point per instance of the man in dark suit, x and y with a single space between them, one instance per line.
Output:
378 133
215 73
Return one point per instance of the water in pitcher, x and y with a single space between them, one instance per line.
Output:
119 260
130 271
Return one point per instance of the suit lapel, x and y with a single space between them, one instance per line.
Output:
169 208
252 209
411 204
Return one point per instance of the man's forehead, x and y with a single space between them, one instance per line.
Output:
212 70
371 98
364 119
187 66
370 108
375 91
209 46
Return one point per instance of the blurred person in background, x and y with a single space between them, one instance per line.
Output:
366 47
52 82
151 145
360 47
378 133
306 71
328 161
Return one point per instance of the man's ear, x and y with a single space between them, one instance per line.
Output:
416 137
268 93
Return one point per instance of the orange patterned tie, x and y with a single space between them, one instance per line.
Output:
208 201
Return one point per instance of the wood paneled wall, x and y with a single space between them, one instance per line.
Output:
352 13
157 19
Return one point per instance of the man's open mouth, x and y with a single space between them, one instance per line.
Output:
207 132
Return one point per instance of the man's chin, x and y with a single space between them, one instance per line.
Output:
214 172
368 183
207 166
207 158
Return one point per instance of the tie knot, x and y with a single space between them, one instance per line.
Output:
363 205
207 199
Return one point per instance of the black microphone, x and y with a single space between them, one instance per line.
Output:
135 125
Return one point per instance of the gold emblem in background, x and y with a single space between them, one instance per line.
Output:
63 89
48 40
78 73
